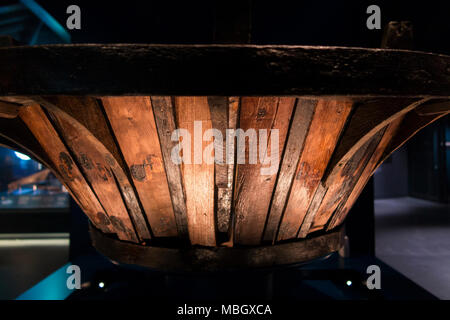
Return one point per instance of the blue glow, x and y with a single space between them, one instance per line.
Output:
54 287
22 156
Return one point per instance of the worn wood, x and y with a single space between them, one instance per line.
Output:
219 118
228 193
92 126
341 185
327 124
8 110
367 119
412 123
64 164
198 176
317 200
244 70
164 112
390 131
203 259
100 176
253 189
301 121
134 126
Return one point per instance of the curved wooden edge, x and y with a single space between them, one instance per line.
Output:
413 122
221 70
212 259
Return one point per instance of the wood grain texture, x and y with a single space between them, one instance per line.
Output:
413 122
198 177
100 176
93 127
219 119
164 112
204 259
367 119
341 185
65 166
134 126
327 124
253 190
389 132
245 70
304 111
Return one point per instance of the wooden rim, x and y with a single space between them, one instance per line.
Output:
131 69
212 259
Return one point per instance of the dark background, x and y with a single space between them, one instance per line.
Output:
332 23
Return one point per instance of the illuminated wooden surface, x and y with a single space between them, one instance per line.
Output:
110 143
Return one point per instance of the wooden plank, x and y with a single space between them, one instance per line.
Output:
86 116
340 185
65 166
198 175
204 259
301 121
233 116
367 119
412 123
245 70
327 124
316 202
8 110
134 126
219 117
99 174
164 113
253 190
227 195
340 215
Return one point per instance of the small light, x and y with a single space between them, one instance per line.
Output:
349 283
22 156
101 284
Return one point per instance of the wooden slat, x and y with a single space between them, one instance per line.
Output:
134 126
228 194
88 119
340 186
253 190
164 113
64 164
198 177
14 134
219 118
316 202
223 116
328 121
99 174
301 121
367 119
232 70
412 123
390 131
